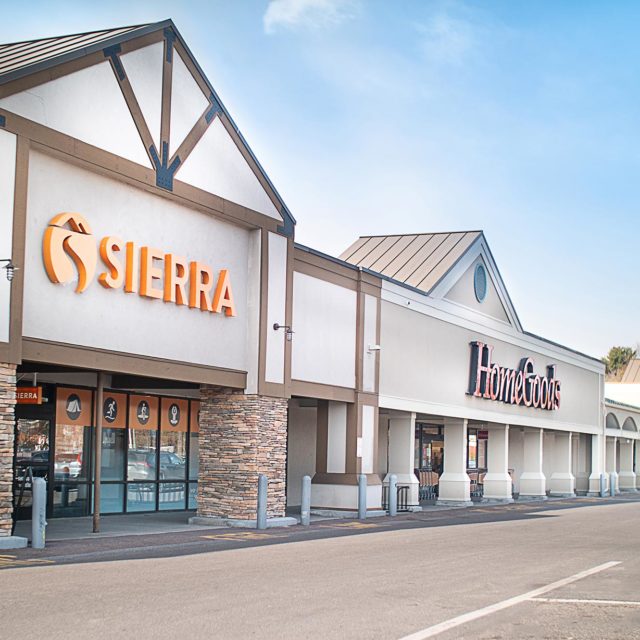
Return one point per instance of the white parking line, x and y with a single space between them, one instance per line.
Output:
441 627
621 603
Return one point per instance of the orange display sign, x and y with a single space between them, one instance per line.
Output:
73 406
114 410
174 414
29 395
68 246
143 412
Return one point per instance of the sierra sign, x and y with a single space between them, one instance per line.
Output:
68 247
519 386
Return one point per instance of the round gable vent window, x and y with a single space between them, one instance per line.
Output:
480 282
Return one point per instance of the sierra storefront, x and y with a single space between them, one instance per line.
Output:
149 454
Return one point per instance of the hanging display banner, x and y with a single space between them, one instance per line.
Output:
29 395
519 386
73 406
114 410
143 412
174 414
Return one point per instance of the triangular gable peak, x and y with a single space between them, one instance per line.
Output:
474 282
139 93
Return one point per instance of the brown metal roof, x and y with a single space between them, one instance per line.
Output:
20 58
418 260
631 374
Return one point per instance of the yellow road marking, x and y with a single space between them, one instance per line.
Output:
7 562
240 535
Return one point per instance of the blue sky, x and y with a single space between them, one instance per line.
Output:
518 118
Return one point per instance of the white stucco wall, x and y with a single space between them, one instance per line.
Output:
7 186
324 321
111 319
276 307
425 364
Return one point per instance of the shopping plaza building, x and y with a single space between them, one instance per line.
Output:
158 296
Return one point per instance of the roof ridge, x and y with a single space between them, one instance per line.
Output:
423 233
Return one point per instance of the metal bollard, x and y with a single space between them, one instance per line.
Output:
612 484
603 485
38 513
362 496
393 495
305 505
261 521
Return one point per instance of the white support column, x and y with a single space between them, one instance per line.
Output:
455 485
611 463
580 462
627 477
562 482
401 455
497 481
597 464
532 480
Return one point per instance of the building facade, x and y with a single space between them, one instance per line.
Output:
159 298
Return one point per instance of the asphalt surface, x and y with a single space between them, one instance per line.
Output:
382 578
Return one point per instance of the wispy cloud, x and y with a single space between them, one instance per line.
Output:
294 15
447 40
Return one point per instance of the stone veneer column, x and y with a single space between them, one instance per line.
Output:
241 436
7 426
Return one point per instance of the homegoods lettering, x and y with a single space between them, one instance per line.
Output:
519 386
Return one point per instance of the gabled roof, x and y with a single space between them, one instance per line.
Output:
631 373
18 59
419 261
21 59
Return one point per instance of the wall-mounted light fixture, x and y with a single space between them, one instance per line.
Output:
10 268
373 347
288 331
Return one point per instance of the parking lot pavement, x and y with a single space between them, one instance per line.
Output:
604 605
378 580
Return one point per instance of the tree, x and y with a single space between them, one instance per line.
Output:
618 358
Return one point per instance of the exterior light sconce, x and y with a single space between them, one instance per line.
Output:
10 268
288 331
373 347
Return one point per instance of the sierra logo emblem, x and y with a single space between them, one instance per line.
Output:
68 246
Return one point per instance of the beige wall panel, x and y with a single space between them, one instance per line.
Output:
463 293
369 339
110 318
7 185
324 342
87 105
276 308
427 360
217 166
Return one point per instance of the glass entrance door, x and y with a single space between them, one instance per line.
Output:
33 438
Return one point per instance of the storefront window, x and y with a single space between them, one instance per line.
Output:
141 456
472 460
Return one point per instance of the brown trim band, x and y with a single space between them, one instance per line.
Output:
111 165
113 362
322 391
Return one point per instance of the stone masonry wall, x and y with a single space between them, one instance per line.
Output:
241 436
7 426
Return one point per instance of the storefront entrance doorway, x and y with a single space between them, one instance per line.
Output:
150 452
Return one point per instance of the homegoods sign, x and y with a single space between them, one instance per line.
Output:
521 386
